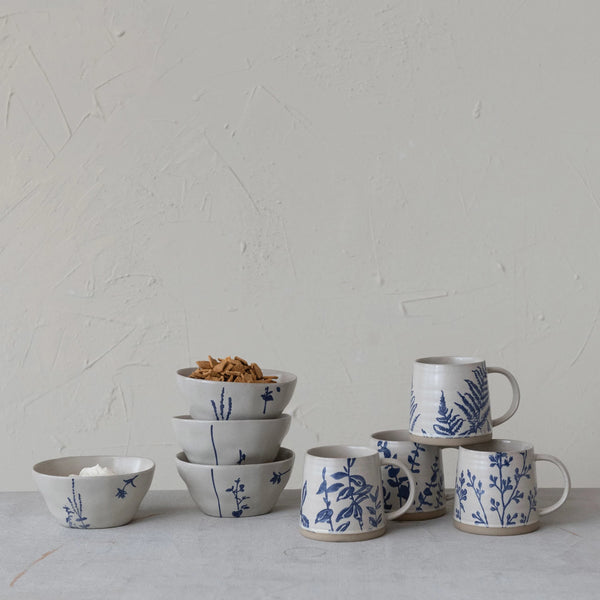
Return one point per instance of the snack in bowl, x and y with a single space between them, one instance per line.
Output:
230 369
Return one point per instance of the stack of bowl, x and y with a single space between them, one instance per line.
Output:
232 461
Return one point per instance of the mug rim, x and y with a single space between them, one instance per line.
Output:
392 435
449 361
499 445
340 452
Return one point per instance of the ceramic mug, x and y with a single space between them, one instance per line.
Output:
496 488
342 497
450 401
426 467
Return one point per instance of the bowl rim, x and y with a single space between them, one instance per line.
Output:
283 417
181 458
286 376
39 466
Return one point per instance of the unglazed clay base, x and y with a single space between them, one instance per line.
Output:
450 442
421 515
342 537
497 530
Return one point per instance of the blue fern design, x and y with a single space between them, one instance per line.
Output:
509 493
268 397
326 514
433 493
221 415
242 457
461 495
237 489
121 492
357 491
413 409
375 514
448 424
475 403
303 518
276 479
479 516
74 510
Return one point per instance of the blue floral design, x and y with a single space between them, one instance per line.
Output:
276 479
74 510
325 515
121 492
460 495
433 493
509 493
479 516
221 415
375 514
241 458
268 396
237 489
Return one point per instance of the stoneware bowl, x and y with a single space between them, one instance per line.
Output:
221 400
244 442
236 490
93 502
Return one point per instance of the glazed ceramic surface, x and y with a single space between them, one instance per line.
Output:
426 467
496 488
93 502
342 495
230 442
236 490
222 401
450 401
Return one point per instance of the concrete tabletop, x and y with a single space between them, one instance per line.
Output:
172 550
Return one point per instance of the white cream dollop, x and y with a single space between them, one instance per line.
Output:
95 471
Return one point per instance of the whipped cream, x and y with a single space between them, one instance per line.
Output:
95 471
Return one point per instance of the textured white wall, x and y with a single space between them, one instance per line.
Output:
330 188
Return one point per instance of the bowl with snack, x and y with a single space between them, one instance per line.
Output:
232 388
236 490
93 492
232 442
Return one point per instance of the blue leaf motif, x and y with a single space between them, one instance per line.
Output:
346 492
339 475
334 487
324 515
345 513
343 527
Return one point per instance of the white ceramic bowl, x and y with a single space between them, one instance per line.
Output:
221 400
244 442
236 490
93 502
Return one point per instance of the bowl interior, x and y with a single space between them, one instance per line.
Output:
72 465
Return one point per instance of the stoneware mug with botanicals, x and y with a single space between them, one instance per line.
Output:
426 467
496 488
450 401
342 498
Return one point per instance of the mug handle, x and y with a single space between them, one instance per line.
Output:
411 482
516 395
566 478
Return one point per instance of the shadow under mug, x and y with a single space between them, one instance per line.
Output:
425 464
496 488
342 496
450 401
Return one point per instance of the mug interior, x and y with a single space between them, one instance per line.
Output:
449 360
499 446
340 452
392 435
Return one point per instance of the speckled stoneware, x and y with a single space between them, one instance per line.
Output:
221 401
426 467
230 442
450 401
93 502
236 490
496 488
341 498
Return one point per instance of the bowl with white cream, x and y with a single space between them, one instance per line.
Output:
93 492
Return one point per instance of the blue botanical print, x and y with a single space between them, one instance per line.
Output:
121 492
212 439
480 517
241 459
475 403
413 456
397 482
532 500
375 514
276 479
221 415
356 492
460 495
509 493
74 510
382 448
413 409
237 489
448 424
212 476
268 397
303 518
433 494
325 515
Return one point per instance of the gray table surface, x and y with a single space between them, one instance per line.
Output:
172 550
